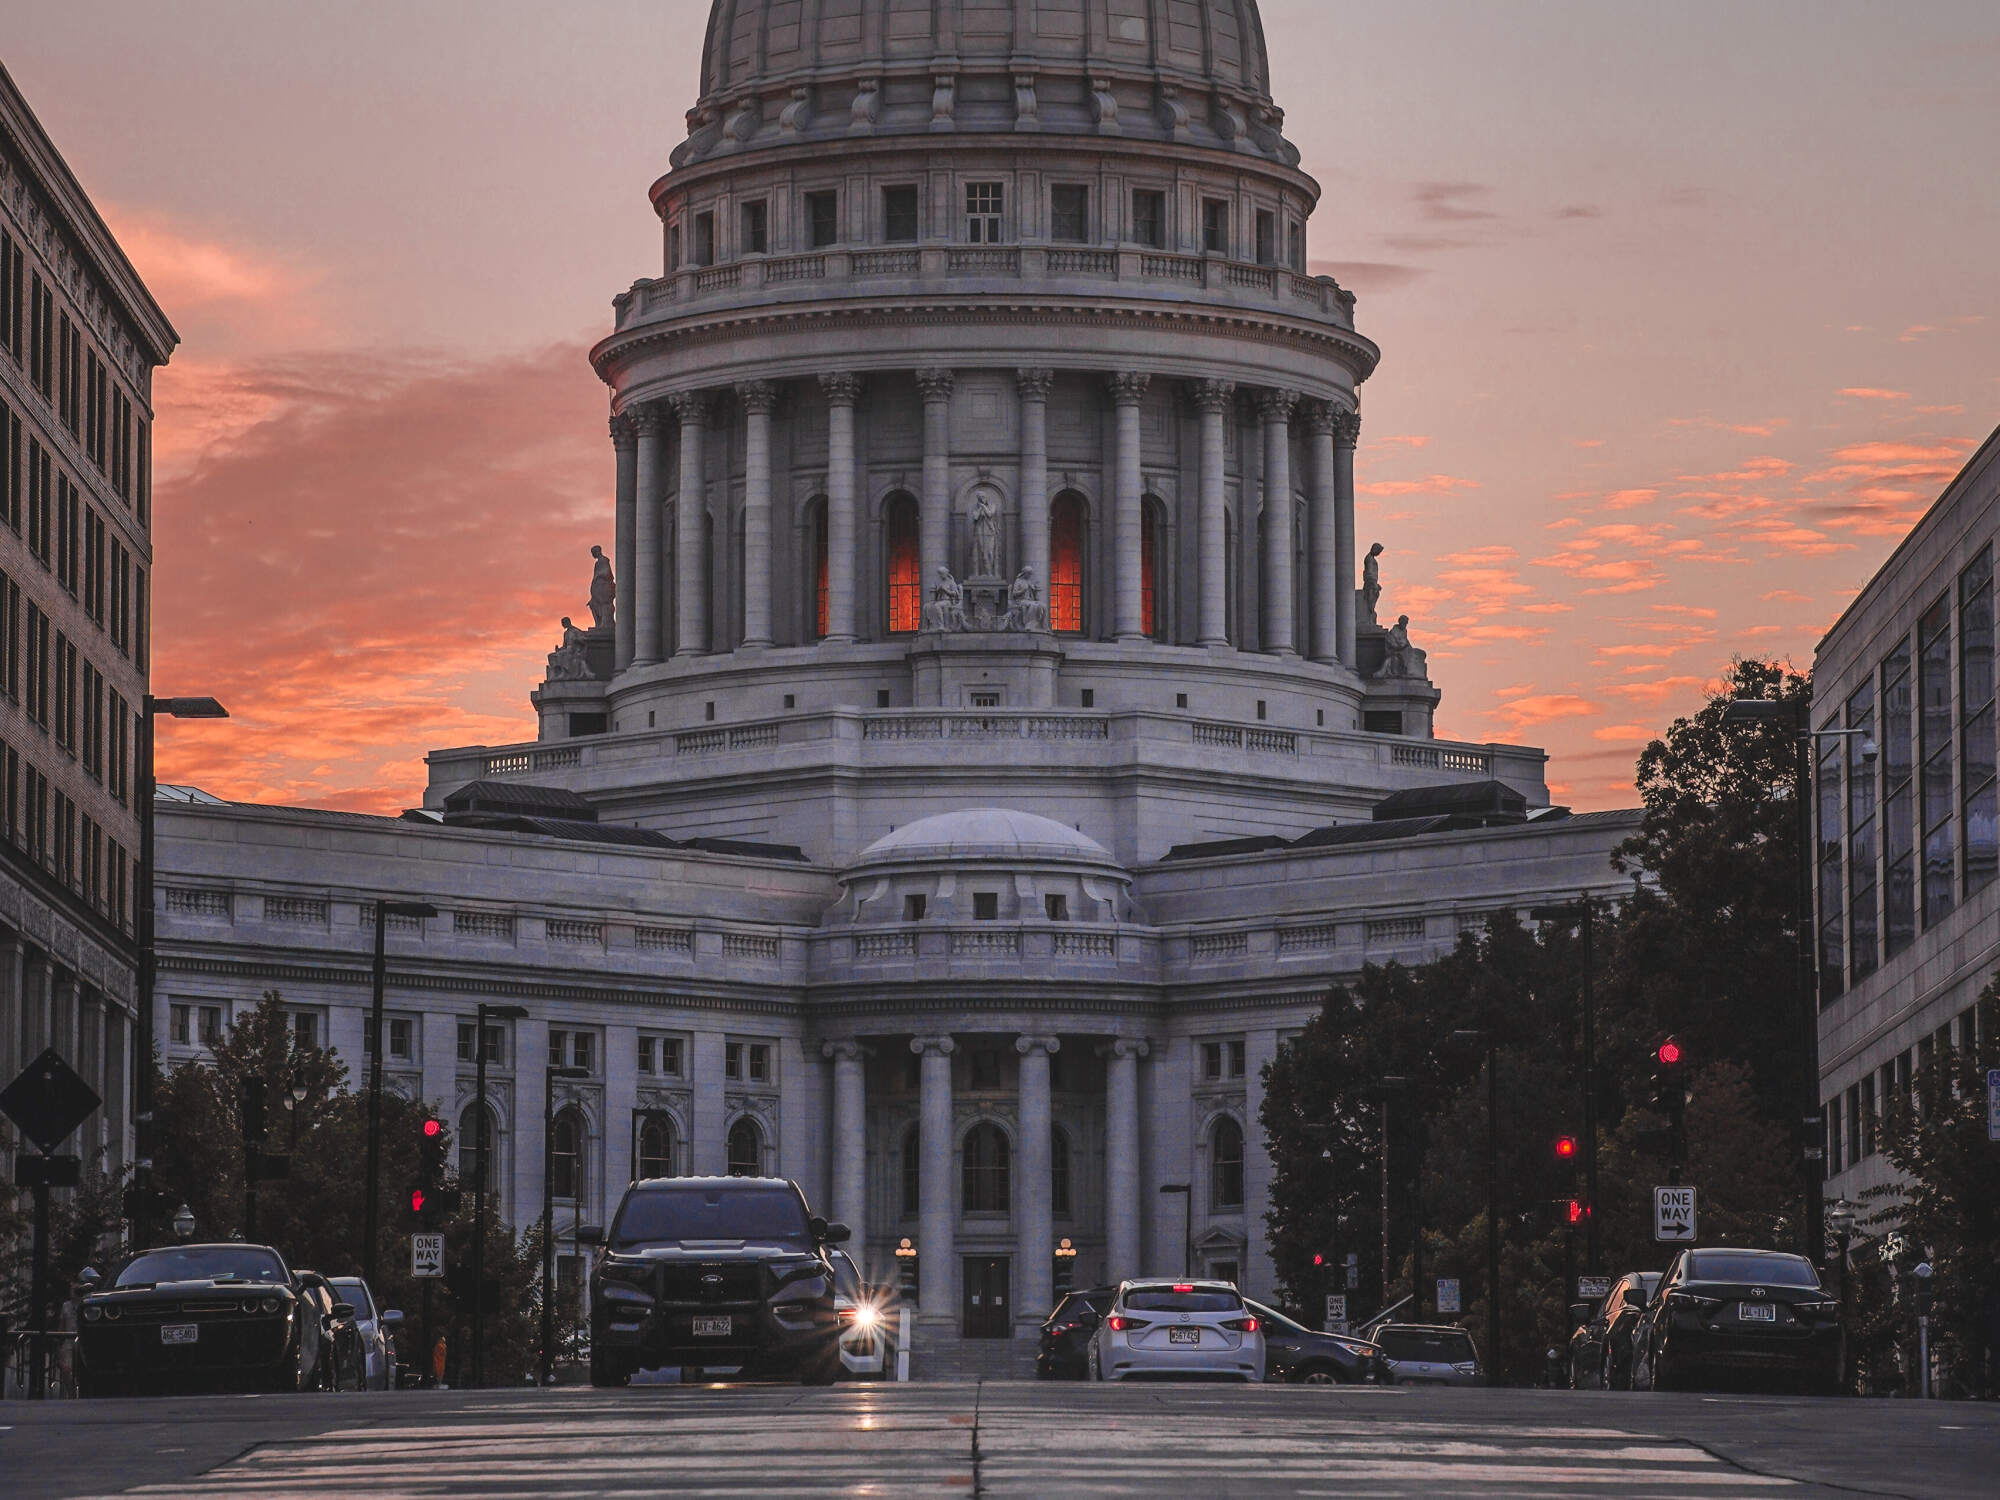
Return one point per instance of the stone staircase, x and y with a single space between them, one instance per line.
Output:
946 1356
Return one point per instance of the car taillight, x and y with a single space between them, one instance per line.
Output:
1119 1323
1183 1287
1242 1325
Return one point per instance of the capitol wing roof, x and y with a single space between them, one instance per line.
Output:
986 833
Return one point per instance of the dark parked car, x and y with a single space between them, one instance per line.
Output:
1600 1351
710 1272
1064 1353
343 1358
1305 1356
234 1317
1756 1313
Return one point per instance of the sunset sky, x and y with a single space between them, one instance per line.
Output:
1687 312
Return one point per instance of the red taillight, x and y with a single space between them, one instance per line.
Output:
1184 1286
1243 1325
1117 1324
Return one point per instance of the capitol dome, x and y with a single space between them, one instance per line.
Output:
1190 71
1001 834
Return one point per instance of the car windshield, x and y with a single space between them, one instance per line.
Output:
711 1212
1168 1299
1426 1345
354 1290
846 1277
1767 1270
204 1263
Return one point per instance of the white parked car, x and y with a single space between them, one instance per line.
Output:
1177 1328
378 1342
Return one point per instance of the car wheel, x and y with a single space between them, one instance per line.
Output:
1091 1369
1316 1375
1607 1372
608 1371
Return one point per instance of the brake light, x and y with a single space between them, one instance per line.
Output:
1119 1323
1184 1286
1243 1325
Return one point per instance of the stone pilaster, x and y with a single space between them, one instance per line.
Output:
1212 399
937 1215
691 593
1346 433
625 536
1128 389
1121 1159
649 426
757 397
1034 1218
850 1141
934 543
1033 388
843 391
1280 632
1323 587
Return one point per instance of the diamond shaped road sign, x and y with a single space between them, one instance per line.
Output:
48 1100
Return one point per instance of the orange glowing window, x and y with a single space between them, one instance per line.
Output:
1149 533
1066 563
819 573
906 588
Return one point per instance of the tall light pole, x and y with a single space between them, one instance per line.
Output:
384 909
481 1015
1581 911
1492 1197
1393 1084
555 1072
1793 715
150 708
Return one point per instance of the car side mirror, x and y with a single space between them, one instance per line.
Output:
835 1234
88 1276
589 1234
391 1318
343 1309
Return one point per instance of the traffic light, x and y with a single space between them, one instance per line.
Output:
426 1196
250 1111
1566 1149
1577 1211
1669 1097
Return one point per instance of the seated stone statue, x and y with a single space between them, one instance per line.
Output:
946 611
1399 657
1025 610
569 662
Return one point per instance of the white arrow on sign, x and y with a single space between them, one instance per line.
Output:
427 1255
1673 1214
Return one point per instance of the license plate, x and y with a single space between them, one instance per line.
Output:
1184 1335
180 1333
1757 1312
713 1328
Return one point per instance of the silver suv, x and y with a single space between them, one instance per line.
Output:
1429 1354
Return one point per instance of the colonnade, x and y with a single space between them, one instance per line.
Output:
640 437
1032 1206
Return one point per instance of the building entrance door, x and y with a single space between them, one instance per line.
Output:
986 1314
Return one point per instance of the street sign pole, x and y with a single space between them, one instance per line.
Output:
39 1290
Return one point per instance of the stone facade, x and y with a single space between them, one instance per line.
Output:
1908 901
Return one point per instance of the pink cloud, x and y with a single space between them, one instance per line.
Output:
1873 393
1434 484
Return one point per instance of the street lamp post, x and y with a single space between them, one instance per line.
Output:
1492 1198
1581 911
142 914
1840 1220
1393 1084
555 1072
1805 738
481 1015
384 909
1186 1190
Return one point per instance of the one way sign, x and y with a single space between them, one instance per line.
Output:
427 1255
1673 1213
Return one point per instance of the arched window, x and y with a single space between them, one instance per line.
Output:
986 1169
469 1134
655 1151
1152 611
1058 1172
913 1172
816 532
746 1149
566 1143
1225 1164
1066 531
903 564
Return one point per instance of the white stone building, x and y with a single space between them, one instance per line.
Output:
976 904
1909 836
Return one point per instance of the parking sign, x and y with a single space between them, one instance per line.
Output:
427 1255
1673 1214
1448 1294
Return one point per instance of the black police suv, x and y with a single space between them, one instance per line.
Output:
1064 1350
1755 1314
230 1316
1305 1356
715 1271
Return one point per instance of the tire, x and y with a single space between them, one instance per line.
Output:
608 1371
1315 1375
1607 1372
1092 1370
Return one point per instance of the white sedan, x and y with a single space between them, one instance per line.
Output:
1166 1328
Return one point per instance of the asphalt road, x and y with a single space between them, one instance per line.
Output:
1009 1439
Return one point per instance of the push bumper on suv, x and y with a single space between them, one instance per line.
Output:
747 1313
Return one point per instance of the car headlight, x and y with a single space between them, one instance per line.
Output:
92 1312
112 1313
867 1317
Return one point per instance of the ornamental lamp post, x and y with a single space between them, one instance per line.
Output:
555 1072
142 912
1065 1264
384 909
482 1014
183 1223
906 1268
1840 1218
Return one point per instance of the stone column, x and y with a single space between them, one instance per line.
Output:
649 462
1033 387
1034 1215
1121 1159
937 1217
1275 407
843 390
850 1142
1212 399
1323 587
625 536
934 545
1346 433
1128 388
690 592
757 397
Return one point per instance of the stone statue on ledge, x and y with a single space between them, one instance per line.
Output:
569 662
603 590
946 611
1371 582
1399 657
985 536
1025 610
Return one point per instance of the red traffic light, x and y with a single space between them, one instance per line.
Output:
418 1197
1319 1260
1577 1211
1565 1147
433 1129
1670 1052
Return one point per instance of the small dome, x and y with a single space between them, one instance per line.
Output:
986 833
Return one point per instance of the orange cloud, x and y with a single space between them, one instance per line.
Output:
1873 393
1434 484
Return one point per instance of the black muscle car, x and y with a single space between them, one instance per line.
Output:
711 1272
232 1317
